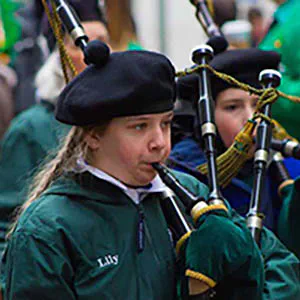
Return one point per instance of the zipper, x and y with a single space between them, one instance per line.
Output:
143 233
141 230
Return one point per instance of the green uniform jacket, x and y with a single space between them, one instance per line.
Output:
283 37
78 243
289 221
81 242
282 268
31 136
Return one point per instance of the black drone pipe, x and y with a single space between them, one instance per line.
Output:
268 79
205 114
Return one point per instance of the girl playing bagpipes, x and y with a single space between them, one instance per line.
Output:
92 226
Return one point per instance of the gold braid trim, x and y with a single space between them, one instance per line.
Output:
199 276
207 209
181 241
268 96
65 58
55 23
289 97
280 133
231 80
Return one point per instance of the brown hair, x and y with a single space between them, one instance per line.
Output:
72 148
120 23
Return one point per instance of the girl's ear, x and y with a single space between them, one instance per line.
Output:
93 140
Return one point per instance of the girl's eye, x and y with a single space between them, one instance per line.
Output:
166 124
231 107
140 126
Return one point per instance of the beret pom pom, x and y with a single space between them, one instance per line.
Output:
97 53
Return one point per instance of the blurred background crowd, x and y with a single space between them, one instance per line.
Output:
166 26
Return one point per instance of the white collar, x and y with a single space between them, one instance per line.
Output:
136 194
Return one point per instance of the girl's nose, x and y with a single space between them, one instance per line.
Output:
249 111
157 139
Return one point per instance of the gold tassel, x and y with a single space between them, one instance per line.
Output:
231 161
56 25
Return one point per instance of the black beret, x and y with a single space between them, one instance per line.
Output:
244 65
128 83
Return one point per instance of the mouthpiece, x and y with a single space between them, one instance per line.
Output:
187 198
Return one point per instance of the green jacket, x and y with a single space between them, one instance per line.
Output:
283 38
289 221
31 136
81 242
134 45
282 268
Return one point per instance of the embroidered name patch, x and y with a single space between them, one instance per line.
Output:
108 260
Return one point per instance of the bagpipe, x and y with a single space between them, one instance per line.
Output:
270 80
215 207
203 15
212 213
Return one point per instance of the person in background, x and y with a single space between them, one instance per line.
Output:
121 25
10 32
237 34
8 81
233 107
223 11
256 19
31 52
34 134
282 37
